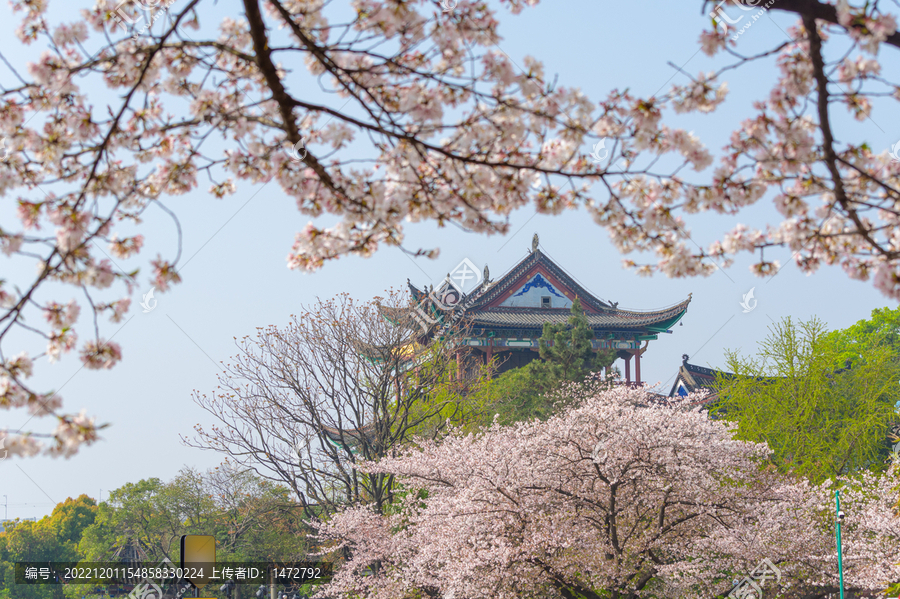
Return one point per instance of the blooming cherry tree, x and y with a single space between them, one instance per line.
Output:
135 102
616 498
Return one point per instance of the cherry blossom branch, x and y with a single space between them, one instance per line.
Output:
815 51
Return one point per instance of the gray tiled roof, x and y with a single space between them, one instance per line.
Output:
612 319
353 436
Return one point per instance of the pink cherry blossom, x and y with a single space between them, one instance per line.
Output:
430 122
59 343
620 496
100 354
19 365
61 317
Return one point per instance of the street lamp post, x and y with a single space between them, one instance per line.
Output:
837 526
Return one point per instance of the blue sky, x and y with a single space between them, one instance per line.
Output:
235 275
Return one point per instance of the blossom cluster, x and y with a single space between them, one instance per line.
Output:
431 122
620 495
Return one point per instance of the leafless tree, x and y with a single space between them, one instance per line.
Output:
342 382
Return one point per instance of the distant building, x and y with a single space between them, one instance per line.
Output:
691 378
505 318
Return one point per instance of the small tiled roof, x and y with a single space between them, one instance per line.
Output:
697 378
353 436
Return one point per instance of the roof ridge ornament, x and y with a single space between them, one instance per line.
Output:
535 242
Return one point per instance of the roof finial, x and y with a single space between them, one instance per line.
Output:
684 358
487 274
535 242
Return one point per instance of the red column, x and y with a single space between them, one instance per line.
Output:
637 367
628 370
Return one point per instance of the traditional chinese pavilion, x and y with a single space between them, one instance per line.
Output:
505 317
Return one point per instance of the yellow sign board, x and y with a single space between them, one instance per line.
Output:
198 552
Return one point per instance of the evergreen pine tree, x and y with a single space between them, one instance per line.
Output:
567 352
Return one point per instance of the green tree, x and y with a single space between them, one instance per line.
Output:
882 329
69 519
567 352
255 519
53 538
26 541
251 518
149 513
824 411
566 356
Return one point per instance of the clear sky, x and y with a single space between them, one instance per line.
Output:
235 275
